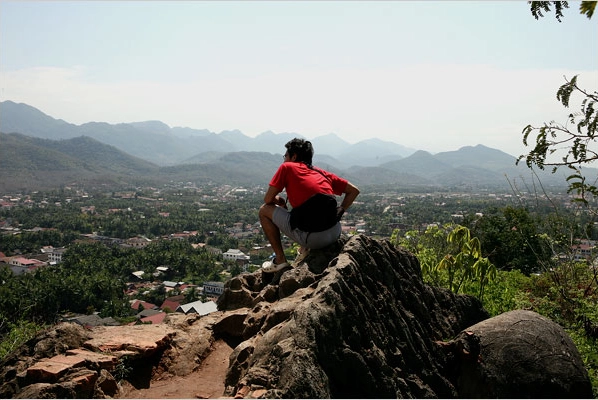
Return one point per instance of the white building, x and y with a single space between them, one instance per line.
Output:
235 255
585 250
55 257
198 307
213 288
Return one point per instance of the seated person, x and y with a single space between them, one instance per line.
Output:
314 221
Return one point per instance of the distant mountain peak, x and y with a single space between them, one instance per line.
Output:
329 136
421 153
476 147
374 141
231 132
266 134
158 127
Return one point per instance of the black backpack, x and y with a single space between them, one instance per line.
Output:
316 214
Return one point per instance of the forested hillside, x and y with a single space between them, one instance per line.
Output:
31 163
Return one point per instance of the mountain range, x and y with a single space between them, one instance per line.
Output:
41 152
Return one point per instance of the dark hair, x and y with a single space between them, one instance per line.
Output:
302 149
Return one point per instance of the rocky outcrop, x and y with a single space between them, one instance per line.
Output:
518 354
70 361
352 320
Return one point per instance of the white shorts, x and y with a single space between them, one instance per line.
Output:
310 240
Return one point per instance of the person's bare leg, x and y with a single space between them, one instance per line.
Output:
272 232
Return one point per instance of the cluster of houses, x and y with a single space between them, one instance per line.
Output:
146 312
149 313
20 264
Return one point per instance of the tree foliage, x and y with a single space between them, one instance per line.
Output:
93 277
449 256
538 8
14 335
568 291
577 137
513 239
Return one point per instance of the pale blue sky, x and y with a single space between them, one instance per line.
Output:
432 75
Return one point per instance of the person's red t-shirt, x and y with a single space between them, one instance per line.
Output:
301 182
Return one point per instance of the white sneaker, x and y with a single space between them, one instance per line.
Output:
269 266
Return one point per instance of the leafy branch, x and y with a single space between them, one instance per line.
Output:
577 138
539 7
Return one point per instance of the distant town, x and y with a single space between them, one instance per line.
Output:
231 235
151 278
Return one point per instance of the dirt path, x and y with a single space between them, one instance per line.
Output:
205 383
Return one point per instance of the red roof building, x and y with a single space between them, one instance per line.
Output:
154 319
170 305
146 306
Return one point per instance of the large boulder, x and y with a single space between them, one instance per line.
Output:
518 354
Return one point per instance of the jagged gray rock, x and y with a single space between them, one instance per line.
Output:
352 320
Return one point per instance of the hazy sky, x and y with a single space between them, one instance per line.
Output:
432 75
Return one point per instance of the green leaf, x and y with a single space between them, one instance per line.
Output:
587 8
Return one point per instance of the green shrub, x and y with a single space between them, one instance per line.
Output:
16 335
589 354
506 292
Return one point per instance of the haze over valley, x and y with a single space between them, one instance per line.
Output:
39 152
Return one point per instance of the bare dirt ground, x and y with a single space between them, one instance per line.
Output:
205 383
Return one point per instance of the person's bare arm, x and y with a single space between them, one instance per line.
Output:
272 197
351 193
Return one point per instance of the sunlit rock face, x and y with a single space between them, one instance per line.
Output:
352 320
